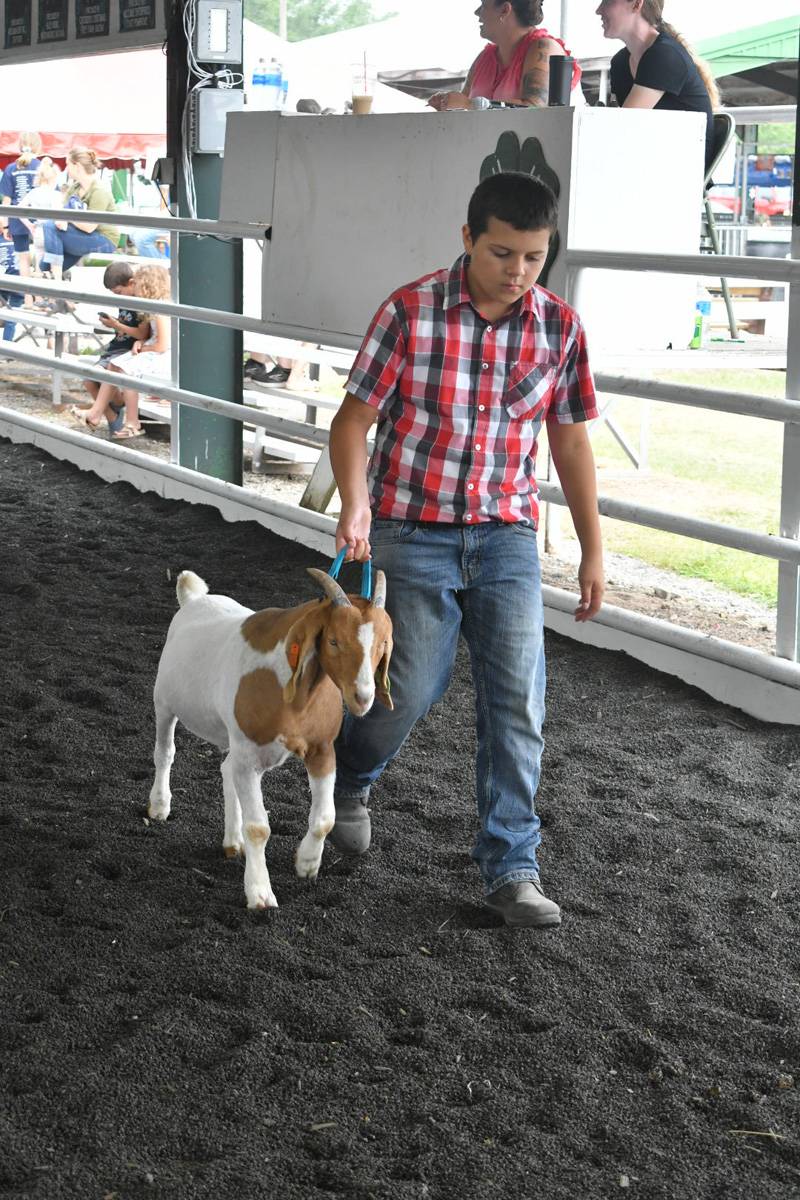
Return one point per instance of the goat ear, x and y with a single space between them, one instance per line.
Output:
383 687
300 641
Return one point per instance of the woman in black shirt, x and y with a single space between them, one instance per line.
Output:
657 68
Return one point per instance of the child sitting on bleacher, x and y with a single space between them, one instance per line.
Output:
146 355
45 193
129 326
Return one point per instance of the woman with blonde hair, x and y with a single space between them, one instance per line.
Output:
515 66
17 181
66 242
149 358
657 68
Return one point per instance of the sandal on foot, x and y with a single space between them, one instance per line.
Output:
79 415
127 431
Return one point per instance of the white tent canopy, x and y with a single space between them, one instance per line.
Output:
318 72
443 34
120 93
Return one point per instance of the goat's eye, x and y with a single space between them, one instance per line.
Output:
333 642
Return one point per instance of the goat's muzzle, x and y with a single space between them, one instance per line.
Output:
359 702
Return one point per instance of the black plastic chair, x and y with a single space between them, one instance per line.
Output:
724 128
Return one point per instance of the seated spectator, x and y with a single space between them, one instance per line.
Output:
66 242
289 371
16 182
515 68
657 68
129 327
150 243
148 357
8 265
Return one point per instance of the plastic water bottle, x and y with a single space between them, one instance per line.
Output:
274 84
702 319
259 87
284 91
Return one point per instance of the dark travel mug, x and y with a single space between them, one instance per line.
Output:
560 80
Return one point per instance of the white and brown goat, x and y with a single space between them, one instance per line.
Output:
264 685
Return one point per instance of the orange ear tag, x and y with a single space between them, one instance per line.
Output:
294 655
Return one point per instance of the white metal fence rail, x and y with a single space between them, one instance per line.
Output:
785 548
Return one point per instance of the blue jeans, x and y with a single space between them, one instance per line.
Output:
67 246
482 581
11 300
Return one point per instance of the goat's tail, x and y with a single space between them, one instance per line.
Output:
189 587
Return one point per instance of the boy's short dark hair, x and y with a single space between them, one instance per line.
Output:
117 275
518 199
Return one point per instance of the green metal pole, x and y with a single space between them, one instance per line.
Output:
210 275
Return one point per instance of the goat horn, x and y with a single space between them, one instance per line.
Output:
330 587
379 597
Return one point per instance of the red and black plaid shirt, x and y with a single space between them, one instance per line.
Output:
462 399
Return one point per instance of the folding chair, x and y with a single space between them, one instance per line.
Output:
724 127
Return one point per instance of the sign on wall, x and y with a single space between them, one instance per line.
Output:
136 14
41 29
52 21
17 24
92 18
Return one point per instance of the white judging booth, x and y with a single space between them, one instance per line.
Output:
359 205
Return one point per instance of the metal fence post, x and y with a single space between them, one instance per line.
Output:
210 273
787 643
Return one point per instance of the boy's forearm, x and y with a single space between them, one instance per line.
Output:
574 461
580 491
576 473
348 451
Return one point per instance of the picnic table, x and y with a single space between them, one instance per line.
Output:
62 327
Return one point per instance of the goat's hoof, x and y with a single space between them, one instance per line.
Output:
307 864
306 868
236 850
262 900
157 814
308 855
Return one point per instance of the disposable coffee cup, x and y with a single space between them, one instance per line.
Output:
364 78
560 80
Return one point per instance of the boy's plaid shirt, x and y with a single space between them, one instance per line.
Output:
461 400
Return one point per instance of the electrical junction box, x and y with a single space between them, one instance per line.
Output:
218 31
209 108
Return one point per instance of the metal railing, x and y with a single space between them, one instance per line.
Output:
785 549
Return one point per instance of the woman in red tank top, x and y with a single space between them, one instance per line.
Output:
515 67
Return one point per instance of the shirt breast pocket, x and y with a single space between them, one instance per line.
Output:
528 388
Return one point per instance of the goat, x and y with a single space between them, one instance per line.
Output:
261 686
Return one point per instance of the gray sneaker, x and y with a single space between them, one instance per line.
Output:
524 905
352 831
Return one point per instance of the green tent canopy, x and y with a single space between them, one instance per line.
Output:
763 56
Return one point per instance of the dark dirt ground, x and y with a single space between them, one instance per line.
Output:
379 1035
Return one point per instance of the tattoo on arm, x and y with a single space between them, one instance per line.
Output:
536 87
536 76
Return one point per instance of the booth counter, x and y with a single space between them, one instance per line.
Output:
359 205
